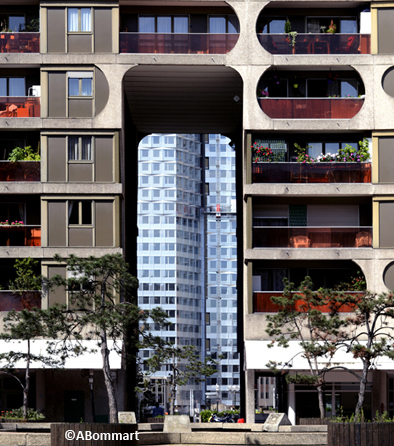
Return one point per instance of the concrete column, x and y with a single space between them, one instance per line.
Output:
249 387
292 405
40 391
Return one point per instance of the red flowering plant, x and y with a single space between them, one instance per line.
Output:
262 154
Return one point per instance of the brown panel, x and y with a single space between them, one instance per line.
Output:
104 223
103 27
385 30
388 82
103 159
57 223
386 160
57 94
80 108
80 172
386 218
101 91
80 236
388 277
58 294
56 30
57 158
79 43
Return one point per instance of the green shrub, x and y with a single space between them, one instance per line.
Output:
25 154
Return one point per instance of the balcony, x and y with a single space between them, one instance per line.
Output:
12 300
20 42
262 302
174 43
20 107
335 172
20 171
311 108
312 237
20 235
317 43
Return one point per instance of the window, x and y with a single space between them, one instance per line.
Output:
14 23
80 212
79 148
12 86
80 83
227 24
79 20
318 148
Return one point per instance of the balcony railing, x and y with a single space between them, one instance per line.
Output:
311 108
312 237
19 42
170 43
317 43
20 171
311 173
20 235
14 300
262 302
20 107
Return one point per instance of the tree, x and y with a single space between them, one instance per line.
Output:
27 282
27 325
101 308
300 317
369 334
184 364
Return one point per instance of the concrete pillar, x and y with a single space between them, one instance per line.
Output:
40 391
291 414
249 387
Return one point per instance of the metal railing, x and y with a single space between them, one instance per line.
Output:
174 43
335 172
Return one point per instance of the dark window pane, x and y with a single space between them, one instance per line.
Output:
86 212
73 213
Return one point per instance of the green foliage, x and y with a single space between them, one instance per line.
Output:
25 154
292 38
206 414
356 283
264 154
26 278
32 414
287 26
347 154
302 156
33 26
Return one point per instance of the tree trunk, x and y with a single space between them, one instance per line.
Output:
361 393
27 382
321 402
112 404
173 396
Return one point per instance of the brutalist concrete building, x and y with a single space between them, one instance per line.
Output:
294 79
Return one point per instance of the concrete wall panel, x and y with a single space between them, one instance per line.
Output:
57 218
104 223
103 161
57 94
103 23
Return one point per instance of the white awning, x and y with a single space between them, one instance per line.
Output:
88 360
258 354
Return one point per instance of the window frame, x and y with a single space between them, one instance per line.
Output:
80 214
80 75
79 31
171 16
80 159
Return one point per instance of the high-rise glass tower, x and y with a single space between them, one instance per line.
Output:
170 244
221 268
